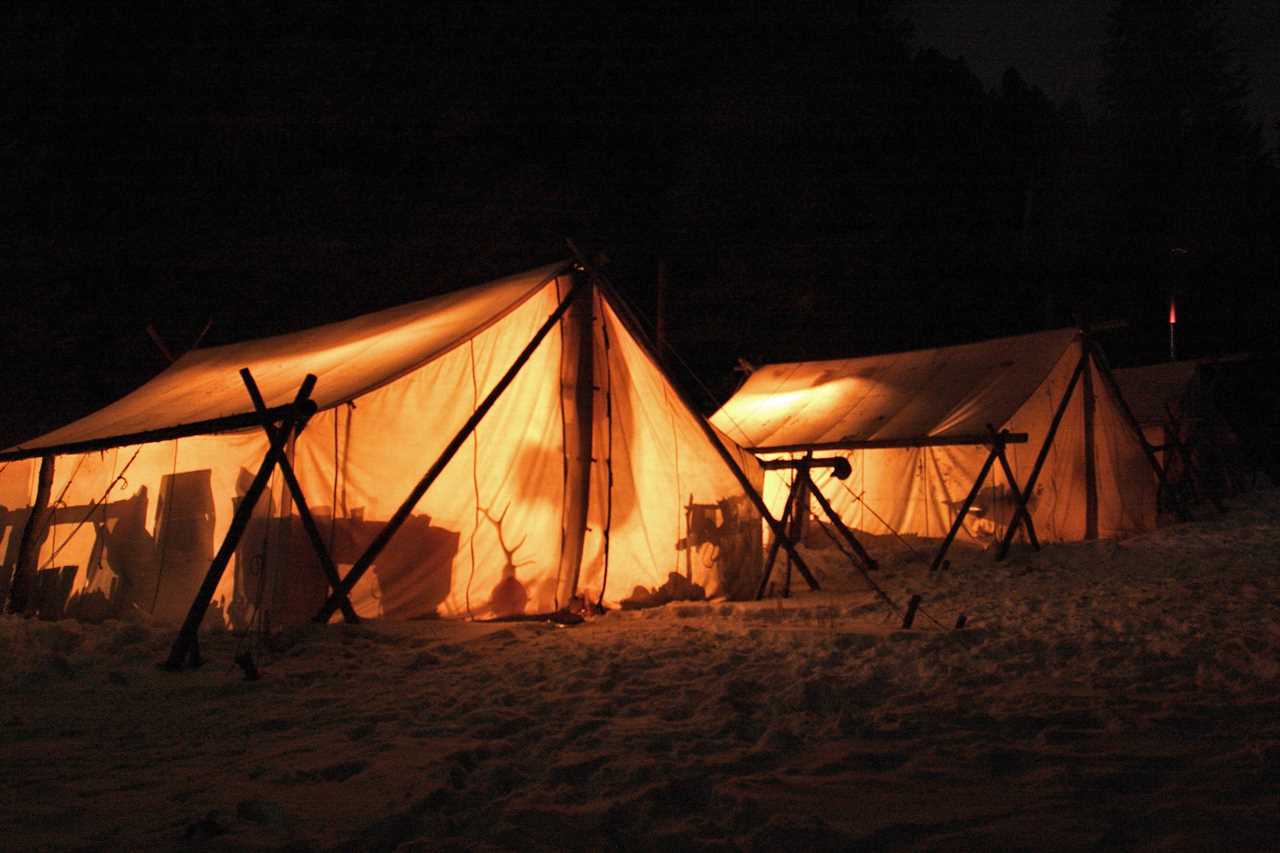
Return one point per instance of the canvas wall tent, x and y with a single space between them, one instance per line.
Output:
915 428
1174 404
589 475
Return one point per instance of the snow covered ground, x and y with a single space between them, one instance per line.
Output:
1103 696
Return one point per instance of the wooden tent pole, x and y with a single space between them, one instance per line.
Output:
1110 381
401 515
964 507
33 533
843 529
710 432
300 501
186 644
1029 488
577 396
1090 448
891 443
772 556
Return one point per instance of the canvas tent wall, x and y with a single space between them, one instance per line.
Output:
913 426
583 478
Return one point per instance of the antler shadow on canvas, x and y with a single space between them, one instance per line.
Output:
509 597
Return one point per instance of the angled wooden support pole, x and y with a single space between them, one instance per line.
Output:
836 521
964 507
1114 389
1020 502
869 565
772 556
186 648
402 513
300 501
1029 489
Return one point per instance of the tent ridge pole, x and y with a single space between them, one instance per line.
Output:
892 443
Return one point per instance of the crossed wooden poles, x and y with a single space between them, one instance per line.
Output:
186 648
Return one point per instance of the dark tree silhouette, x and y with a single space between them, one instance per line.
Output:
1187 185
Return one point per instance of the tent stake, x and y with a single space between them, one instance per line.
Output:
910 617
300 500
401 515
1029 488
186 646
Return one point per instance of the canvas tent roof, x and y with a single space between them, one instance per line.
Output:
349 357
947 392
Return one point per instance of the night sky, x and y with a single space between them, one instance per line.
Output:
816 184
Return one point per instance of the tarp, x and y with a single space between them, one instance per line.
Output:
899 396
1013 383
495 534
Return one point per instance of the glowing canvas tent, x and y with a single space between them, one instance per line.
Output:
920 430
558 459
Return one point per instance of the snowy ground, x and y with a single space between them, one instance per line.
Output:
1104 696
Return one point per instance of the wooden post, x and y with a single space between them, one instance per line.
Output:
1090 451
401 514
23 582
909 617
186 646
964 508
304 511
709 431
1029 488
577 406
